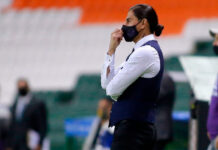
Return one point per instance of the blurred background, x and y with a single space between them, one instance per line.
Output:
59 46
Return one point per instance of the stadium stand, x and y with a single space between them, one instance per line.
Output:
56 37
114 11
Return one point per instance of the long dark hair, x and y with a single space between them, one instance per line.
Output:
145 11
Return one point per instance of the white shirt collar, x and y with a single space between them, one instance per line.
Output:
25 99
144 40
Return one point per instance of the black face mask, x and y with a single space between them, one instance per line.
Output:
23 91
215 49
130 32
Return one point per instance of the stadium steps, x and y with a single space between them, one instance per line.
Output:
173 14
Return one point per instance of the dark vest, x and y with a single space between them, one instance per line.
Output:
138 101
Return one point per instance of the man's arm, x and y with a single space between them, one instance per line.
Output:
107 72
138 63
42 122
9 137
212 112
216 142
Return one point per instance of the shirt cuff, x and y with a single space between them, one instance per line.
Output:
109 60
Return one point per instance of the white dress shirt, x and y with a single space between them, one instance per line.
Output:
21 104
144 62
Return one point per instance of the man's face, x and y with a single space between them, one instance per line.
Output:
22 88
22 84
131 19
215 42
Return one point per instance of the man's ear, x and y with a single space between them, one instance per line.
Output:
144 23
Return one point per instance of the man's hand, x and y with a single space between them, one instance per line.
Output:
216 142
116 38
208 135
38 147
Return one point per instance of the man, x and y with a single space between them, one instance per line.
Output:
27 113
163 116
3 126
135 85
212 122
105 135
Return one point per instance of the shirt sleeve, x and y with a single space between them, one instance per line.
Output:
215 89
109 62
212 121
137 64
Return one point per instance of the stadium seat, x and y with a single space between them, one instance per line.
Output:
173 14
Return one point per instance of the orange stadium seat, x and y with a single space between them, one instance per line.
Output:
172 14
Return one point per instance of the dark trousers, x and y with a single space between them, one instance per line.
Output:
20 147
134 135
19 144
161 144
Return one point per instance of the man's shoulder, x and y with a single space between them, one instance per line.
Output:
146 51
37 101
215 88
